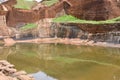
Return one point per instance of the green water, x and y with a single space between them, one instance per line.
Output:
65 62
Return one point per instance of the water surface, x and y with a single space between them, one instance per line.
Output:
65 62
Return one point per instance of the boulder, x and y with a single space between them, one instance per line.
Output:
24 77
19 73
9 41
93 9
8 72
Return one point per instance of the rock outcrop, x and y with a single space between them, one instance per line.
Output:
99 28
93 9
8 72
16 16
10 2
90 10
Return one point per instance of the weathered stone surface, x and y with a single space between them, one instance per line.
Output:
89 9
99 28
10 2
94 9
8 72
84 9
9 41
19 73
24 77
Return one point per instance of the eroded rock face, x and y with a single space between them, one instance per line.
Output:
93 9
83 9
89 9
99 28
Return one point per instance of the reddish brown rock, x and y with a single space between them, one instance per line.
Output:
93 9
83 9
10 2
89 9
99 28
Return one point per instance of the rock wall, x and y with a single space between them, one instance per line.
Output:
53 10
90 10
4 30
72 31
16 16
10 2
90 32
99 28
65 31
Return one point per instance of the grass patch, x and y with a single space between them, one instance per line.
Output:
28 26
72 19
23 4
49 2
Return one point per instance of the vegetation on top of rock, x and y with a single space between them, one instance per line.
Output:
24 4
49 2
27 4
72 19
29 26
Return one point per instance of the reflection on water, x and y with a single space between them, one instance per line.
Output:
65 62
42 76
